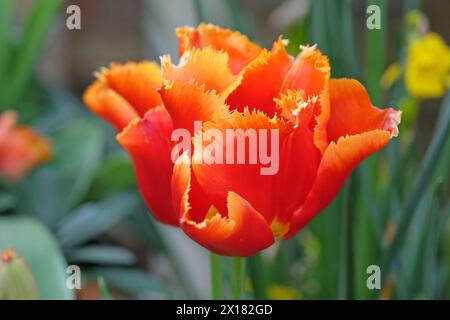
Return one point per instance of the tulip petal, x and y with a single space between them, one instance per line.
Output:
339 160
262 80
243 233
218 176
299 162
238 47
351 111
206 66
311 73
137 83
148 142
23 149
188 102
109 105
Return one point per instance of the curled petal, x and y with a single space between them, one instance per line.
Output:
238 47
351 111
21 151
262 80
109 105
188 102
124 92
148 142
339 160
207 67
137 83
243 233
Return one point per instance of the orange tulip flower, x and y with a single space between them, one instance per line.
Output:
21 148
326 128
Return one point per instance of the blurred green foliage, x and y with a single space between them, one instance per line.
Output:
393 212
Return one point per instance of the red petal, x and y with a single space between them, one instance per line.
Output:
338 162
262 80
148 143
352 112
246 179
238 47
311 73
243 233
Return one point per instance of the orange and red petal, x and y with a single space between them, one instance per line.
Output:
310 72
208 67
244 232
137 83
238 47
339 160
351 111
299 162
109 105
235 165
188 102
262 80
148 142
23 150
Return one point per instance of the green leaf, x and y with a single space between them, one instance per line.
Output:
376 52
6 12
93 219
421 182
102 254
7 201
31 240
38 24
135 283
115 174
78 148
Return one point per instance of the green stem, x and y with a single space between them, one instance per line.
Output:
237 278
216 265
258 276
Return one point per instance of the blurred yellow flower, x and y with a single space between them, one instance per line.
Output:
391 75
427 67
280 292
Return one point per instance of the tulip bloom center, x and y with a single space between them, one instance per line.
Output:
229 146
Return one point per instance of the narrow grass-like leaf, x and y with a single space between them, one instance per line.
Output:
38 24
421 182
92 219
6 12
376 52
102 254
104 292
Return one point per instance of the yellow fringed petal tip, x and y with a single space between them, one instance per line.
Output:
428 67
